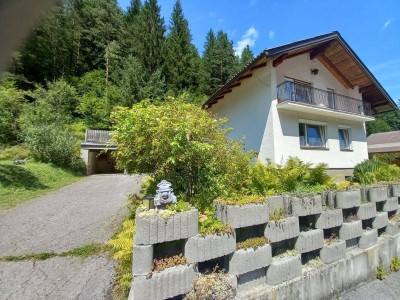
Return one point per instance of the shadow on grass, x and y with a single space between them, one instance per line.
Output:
17 176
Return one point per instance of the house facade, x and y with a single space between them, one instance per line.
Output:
309 99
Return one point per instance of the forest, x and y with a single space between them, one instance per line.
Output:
87 57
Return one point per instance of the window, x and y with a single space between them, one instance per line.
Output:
344 139
312 135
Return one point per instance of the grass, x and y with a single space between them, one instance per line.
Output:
82 252
19 183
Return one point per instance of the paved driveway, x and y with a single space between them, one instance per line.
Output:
85 212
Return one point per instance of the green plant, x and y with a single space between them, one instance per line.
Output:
212 286
122 247
279 213
15 152
236 200
254 243
395 264
183 144
180 206
160 264
381 273
210 225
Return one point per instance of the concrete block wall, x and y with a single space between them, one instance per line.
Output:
313 225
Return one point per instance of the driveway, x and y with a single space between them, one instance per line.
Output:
85 212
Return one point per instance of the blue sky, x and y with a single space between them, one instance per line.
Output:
371 28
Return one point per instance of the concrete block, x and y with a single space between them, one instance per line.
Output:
333 251
377 194
348 199
142 259
165 284
199 248
310 241
391 204
381 220
368 238
284 269
350 230
154 228
352 244
392 228
244 215
283 229
251 279
366 211
275 202
329 218
306 206
246 260
395 190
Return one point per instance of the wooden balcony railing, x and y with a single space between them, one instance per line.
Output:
290 91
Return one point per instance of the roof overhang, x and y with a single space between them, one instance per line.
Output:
334 53
98 146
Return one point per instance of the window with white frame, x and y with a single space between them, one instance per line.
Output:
312 134
344 138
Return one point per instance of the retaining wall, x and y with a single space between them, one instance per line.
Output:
323 245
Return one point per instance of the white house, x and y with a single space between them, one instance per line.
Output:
308 99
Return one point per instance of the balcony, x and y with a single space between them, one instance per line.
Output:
302 97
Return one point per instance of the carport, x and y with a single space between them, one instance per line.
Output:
97 152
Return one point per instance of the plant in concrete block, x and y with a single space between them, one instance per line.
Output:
210 225
254 243
241 200
331 239
216 285
160 264
381 273
278 214
350 218
395 264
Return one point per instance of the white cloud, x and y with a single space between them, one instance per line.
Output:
249 38
387 23
271 34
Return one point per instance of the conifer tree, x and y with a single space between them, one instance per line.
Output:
246 57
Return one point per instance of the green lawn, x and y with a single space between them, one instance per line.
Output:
19 183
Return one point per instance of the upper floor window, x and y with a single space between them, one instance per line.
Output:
312 134
344 138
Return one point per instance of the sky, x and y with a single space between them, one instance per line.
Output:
371 28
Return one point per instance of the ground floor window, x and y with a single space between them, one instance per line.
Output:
344 138
312 135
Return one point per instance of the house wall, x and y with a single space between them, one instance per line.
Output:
299 67
247 108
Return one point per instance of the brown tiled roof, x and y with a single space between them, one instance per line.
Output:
384 142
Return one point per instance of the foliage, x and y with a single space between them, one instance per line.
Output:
243 200
160 264
183 144
15 152
210 225
254 243
294 176
389 121
372 171
19 183
212 286
342 186
381 273
395 264
279 213
123 252
180 206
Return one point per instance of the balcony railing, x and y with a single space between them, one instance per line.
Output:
97 136
290 91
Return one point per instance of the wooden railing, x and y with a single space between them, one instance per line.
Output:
290 91
97 136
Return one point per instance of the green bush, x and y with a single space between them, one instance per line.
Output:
15 152
372 171
293 176
54 145
183 144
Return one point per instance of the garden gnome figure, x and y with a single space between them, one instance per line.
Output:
164 195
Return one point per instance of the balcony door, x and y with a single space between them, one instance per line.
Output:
331 98
298 90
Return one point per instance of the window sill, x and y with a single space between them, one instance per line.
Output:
314 148
347 150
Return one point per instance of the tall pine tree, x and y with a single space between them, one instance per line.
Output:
246 57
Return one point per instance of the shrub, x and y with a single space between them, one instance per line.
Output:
50 143
395 264
15 152
183 144
179 206
254 243
212 286
371 171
